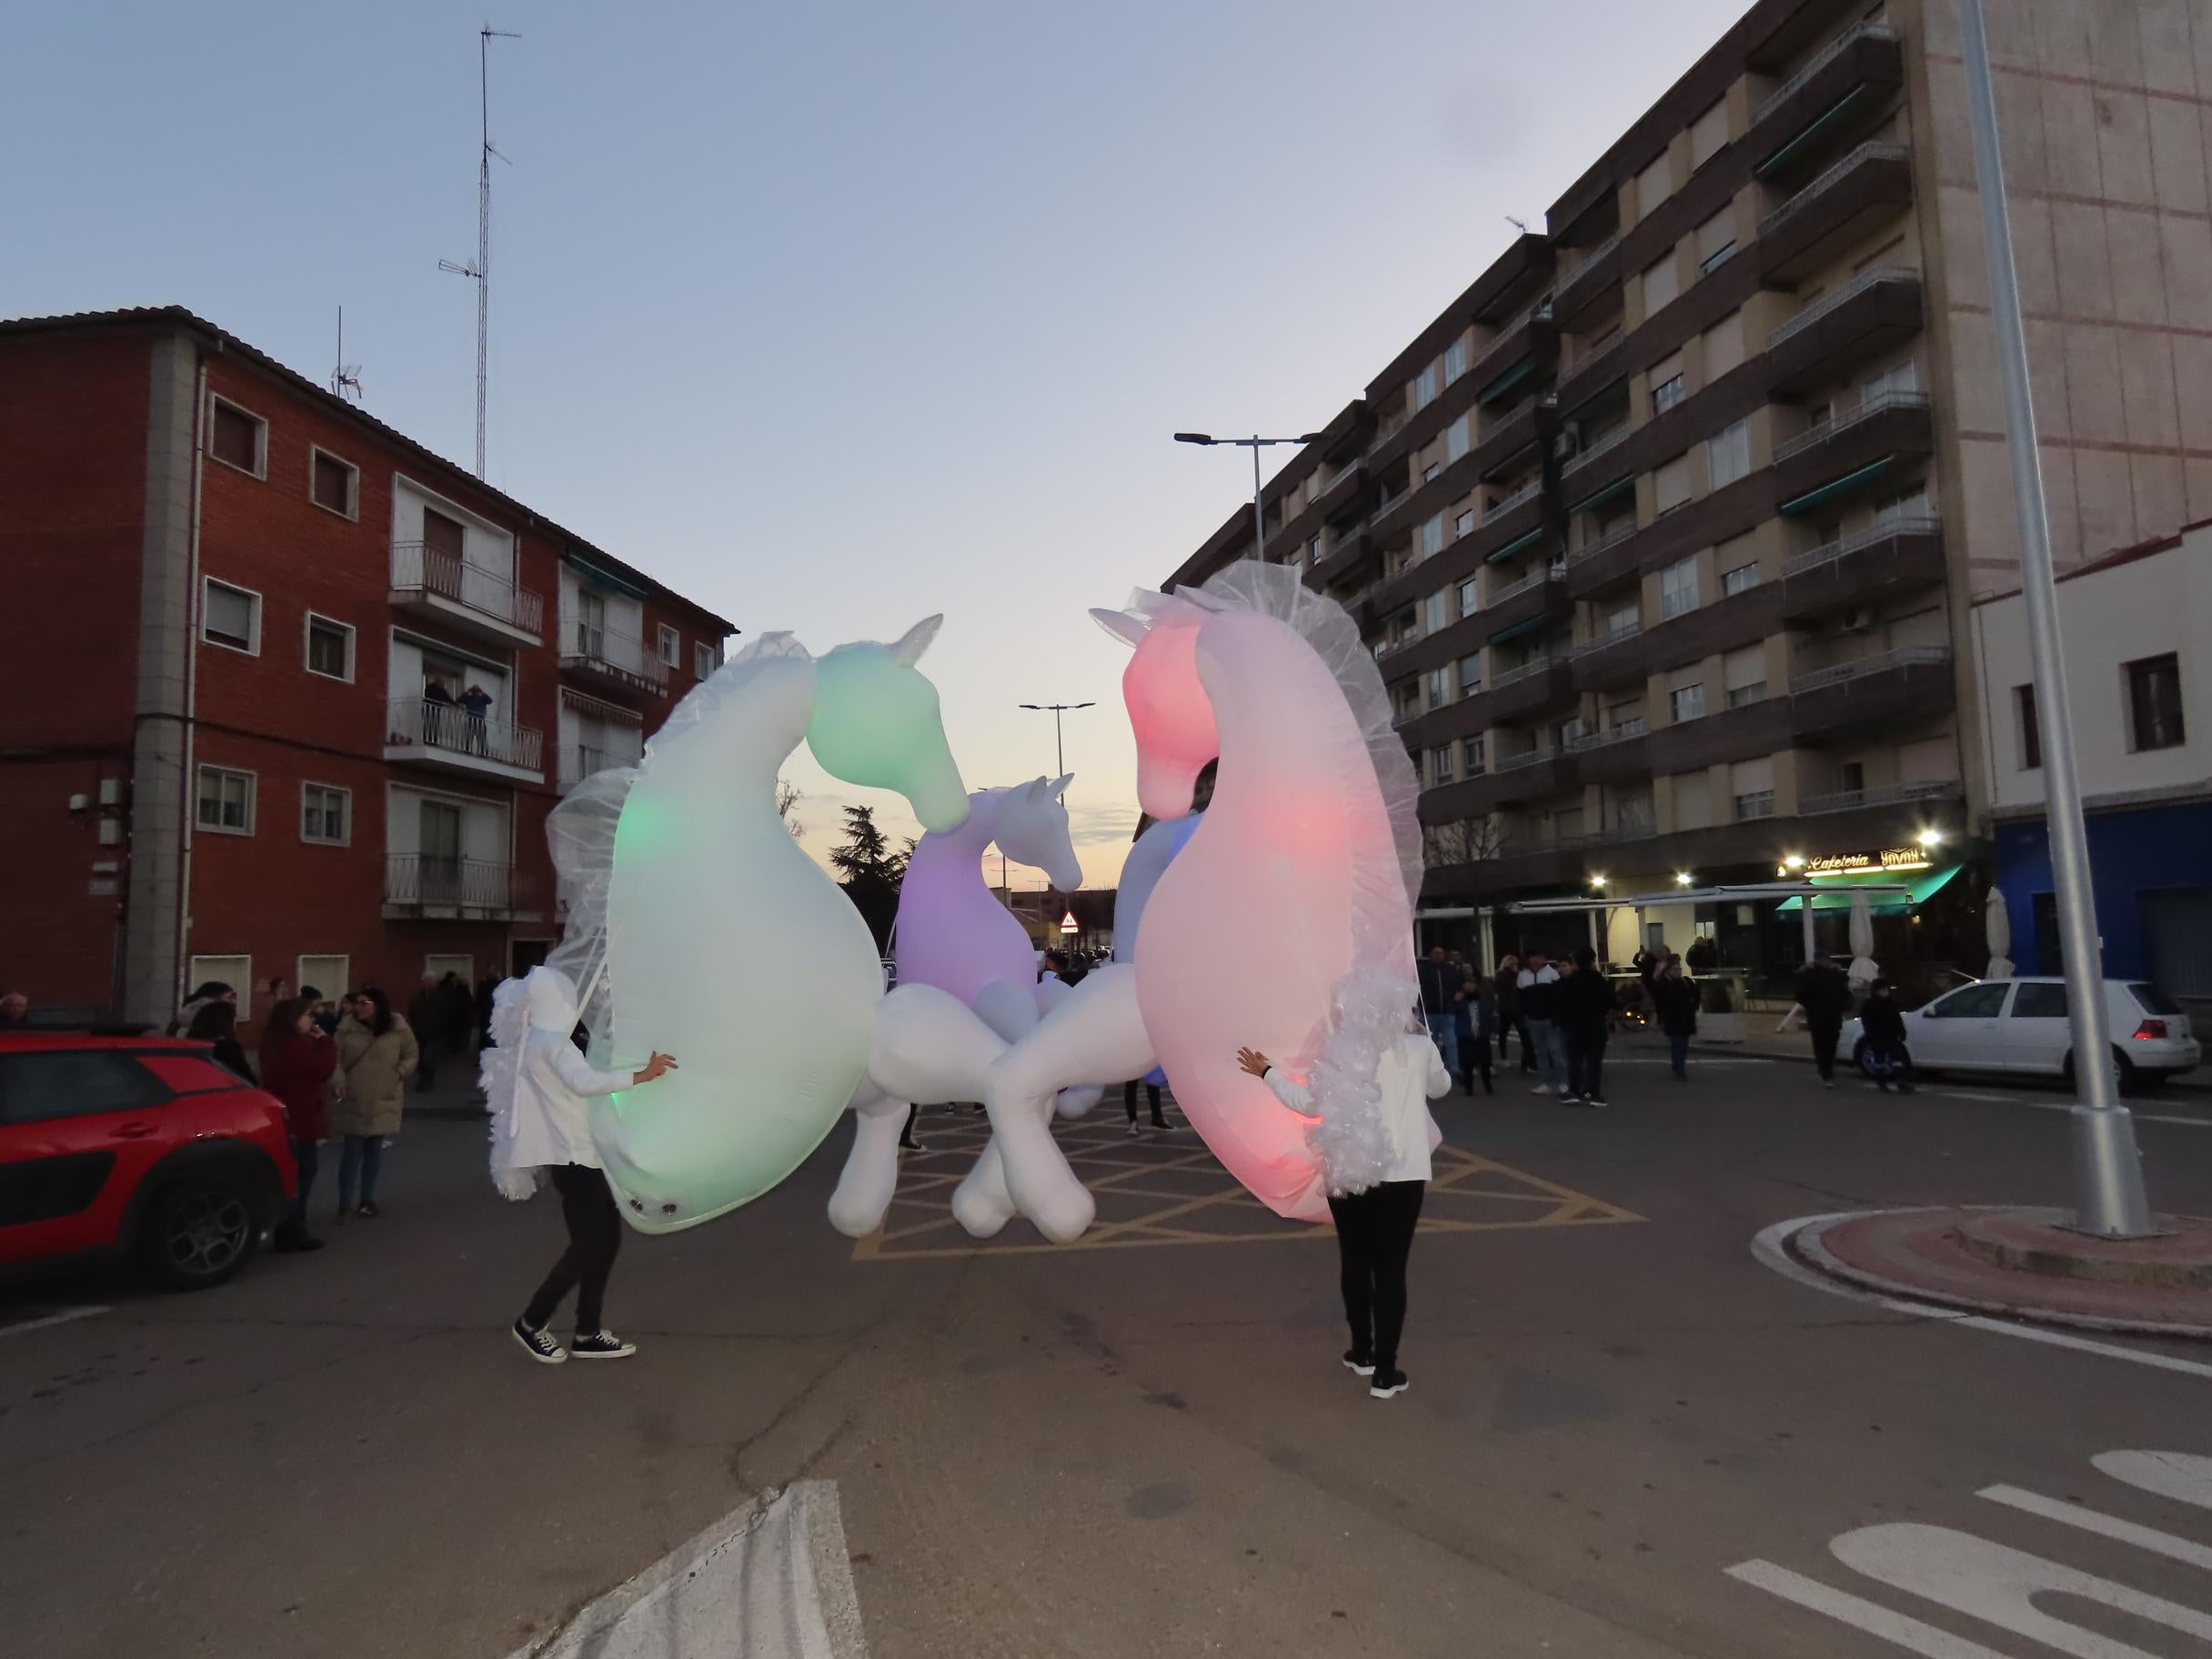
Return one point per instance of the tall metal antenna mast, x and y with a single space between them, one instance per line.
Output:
345 376
480 272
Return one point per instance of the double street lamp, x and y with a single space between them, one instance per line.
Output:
1255 443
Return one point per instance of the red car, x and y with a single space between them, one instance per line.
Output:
141 1147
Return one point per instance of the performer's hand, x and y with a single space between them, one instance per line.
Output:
1254 1062
653 1067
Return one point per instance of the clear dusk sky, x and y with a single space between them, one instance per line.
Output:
833 315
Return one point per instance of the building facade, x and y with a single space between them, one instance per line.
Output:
287 696
2143 750
1665 531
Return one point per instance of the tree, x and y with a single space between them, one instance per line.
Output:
786 805
869 871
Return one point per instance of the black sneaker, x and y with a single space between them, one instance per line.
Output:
1354 1363
1388 1385
539 1345
600 1345
1597 1100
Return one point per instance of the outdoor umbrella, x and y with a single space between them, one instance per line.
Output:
1864 970
1997 922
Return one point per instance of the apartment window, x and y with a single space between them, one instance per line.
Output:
1693 800
231 617
1723 343
1429 473
1912 504
1686 703
702 659
1716 241
1661 284
1671 484
1744 674
1438 608
1728 454
2154 702
1473 752
1459 438
1708 133
2031 731
1440 686
1754 803
1622 617
226 800
1440 765
1464 524
329 648
1655 184
1678 587
1470 596
1899 377
1405 696
1470 675
236 438
334 484
1426 385
1751 783
1851 776
1433 537
1455 359
1740 579
326 814
670 645
1667 393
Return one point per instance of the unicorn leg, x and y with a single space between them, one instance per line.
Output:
980 1204
1073 1102
871 1169
928 1047
1097 1031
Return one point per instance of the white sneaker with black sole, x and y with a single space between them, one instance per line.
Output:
600 1345
539 1345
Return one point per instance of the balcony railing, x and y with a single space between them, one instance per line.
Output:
1604 544
595 645
1540 307
1883 662
1813 559
1587 260
1885 795
1590 647
421 722
1820 60
1520 497
1527 671
418 567
1554 572
1873 150
581 761
1868 410
1620 733
1526 758
453 882
1591 355
1850 291
1603 447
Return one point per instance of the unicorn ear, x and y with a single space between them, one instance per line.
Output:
1033 789
1060 786
915 639
1129 629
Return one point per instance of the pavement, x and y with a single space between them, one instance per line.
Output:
1628 1432
1761 1040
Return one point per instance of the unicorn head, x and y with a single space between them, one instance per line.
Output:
1168 709
876 722
1029 824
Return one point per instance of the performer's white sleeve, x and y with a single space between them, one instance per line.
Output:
1296 1096
580 1078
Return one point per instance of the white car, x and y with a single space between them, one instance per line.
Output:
2020 1026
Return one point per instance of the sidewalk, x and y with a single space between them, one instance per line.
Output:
1770 1044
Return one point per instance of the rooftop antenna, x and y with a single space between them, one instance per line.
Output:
1519 224
480 272
346 377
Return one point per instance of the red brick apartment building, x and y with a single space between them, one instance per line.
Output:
235 604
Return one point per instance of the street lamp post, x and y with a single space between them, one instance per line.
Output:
1255 443
1060 755
2109 1198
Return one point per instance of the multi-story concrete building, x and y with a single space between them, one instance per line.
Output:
282 693
1665 531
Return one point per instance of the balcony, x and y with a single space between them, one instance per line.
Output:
1590 474
1593 369
1612 558
1873 693
1863 569
1874 182
1531 689
1868 315
1509 358
591 651
1341 493
1505 438
582 760
1887 795
447 737
1837 96
431 887
1602 662
1350 558
1614 755
1855 449
1591 280
443 588
1531 775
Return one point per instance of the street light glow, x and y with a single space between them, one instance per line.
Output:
1795 861
1682 878
1597 881
1931 838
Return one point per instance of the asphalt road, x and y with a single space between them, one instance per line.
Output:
1144 1444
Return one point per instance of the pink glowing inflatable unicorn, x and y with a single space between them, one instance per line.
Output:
1285 923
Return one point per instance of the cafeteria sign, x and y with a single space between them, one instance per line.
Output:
1858 863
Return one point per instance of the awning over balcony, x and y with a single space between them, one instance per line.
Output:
1513 546
1519 629
604 578
1838 896
1799 505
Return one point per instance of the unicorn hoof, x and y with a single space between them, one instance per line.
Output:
856 1218
1077 1101
1068 1217
981 1213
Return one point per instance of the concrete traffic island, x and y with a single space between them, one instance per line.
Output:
2025 1263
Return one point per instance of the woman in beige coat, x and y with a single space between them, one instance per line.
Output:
377 1055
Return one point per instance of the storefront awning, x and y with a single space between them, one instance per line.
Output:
1836 895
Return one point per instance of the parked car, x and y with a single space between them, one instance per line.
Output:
2020 1026
139 1147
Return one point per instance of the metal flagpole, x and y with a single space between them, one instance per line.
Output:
2109 1199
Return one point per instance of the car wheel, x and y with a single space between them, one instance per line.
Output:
2125 1078
198 1232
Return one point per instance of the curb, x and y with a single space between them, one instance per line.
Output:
1744 1051
1806 1246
